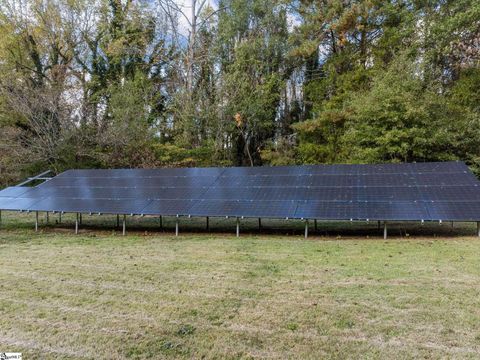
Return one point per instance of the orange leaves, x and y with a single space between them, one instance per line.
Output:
238 120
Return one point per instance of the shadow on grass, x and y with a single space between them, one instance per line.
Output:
24 223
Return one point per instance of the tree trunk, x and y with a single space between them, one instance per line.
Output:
191 46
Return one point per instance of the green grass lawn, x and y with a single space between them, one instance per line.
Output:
343 293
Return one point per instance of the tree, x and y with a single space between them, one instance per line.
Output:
252 37
35 68
236 82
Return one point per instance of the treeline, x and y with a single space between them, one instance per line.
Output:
125 83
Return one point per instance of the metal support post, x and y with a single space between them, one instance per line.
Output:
385 230
306 229
238 227
208 223
124 225
118 221
48 217
36 221
478 228
76 224
259 223
378 224
160 219
81 220
60 217
316 226
176 226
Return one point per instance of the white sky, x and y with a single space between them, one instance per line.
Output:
185 6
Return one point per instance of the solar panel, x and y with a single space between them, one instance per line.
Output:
362 210
454 210
106 193
446 179
103 206
167 207
13 191
415 191
132 182
449 193
122 173
17 203
238 208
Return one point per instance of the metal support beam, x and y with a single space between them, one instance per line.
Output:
176 226
259 223
48 217
478 228
81 219
306 229
385 230
124 225
316 226
208 223
35 178
76 224
36 221
118 221
238 227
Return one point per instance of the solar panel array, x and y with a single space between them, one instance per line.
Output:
417 191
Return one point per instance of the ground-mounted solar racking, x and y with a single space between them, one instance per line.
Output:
434 191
